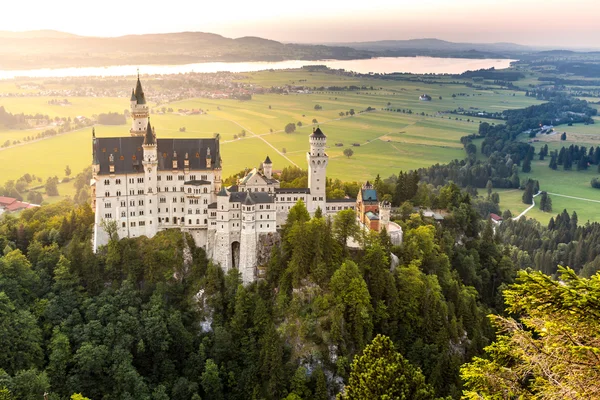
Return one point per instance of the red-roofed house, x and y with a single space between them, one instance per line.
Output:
495 218
9 204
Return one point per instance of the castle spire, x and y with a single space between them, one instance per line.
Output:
149 138
139 92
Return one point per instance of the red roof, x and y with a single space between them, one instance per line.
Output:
11 204
495 217
18 205
4 201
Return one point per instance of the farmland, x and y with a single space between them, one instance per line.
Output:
389 141
385 140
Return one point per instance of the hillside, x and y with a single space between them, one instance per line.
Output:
51 49
435 44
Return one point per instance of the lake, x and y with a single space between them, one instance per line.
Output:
416 65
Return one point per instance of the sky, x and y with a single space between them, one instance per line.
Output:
552 23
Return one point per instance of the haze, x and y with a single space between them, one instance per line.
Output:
549 23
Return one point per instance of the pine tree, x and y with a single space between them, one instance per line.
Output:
563 136
546 202
568 164
553 163
382 373
557 331
527 164
561 156
528 194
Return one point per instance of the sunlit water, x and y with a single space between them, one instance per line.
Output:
416 65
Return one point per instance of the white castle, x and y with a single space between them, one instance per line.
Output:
145 185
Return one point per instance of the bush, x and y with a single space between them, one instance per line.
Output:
290 128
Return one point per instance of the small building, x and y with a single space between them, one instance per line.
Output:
496 218
10 204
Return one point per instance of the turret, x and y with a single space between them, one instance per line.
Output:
317 170
95 168
150 164
385 210
133 100
95 162
222 211
267 168
139 110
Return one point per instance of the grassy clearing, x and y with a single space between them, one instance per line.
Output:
568 183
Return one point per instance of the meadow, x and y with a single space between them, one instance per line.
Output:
385 142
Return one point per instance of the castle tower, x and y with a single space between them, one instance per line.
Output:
222 249
150 164
385 210
95 166
139 110
317 170
94 182
248 241
217 170
268 168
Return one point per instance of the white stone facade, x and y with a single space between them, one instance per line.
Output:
142 185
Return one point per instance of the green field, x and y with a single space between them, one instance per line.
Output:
388 141
565 183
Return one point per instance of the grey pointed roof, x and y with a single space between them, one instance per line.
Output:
139 92
94 154
318 133
133 95
149 138
267 161
222 192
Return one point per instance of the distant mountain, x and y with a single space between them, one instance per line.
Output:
51 49
44 33
435 45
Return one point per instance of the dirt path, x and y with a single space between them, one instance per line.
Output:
263 139
575 198
528 208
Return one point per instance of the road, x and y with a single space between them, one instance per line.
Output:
575 198
528 208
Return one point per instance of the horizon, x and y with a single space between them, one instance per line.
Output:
537 23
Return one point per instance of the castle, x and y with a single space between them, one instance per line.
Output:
142 184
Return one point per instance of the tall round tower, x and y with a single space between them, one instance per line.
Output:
139 110
317 170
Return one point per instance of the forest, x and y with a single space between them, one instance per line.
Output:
152 318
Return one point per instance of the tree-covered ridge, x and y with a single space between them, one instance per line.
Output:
152 318
563 242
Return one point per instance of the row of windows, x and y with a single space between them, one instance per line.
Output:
197 221
118 181
197 201
251 226
165 189
133 224
182 177
197 191
261 189
174 210
333 208
131 203
197 211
